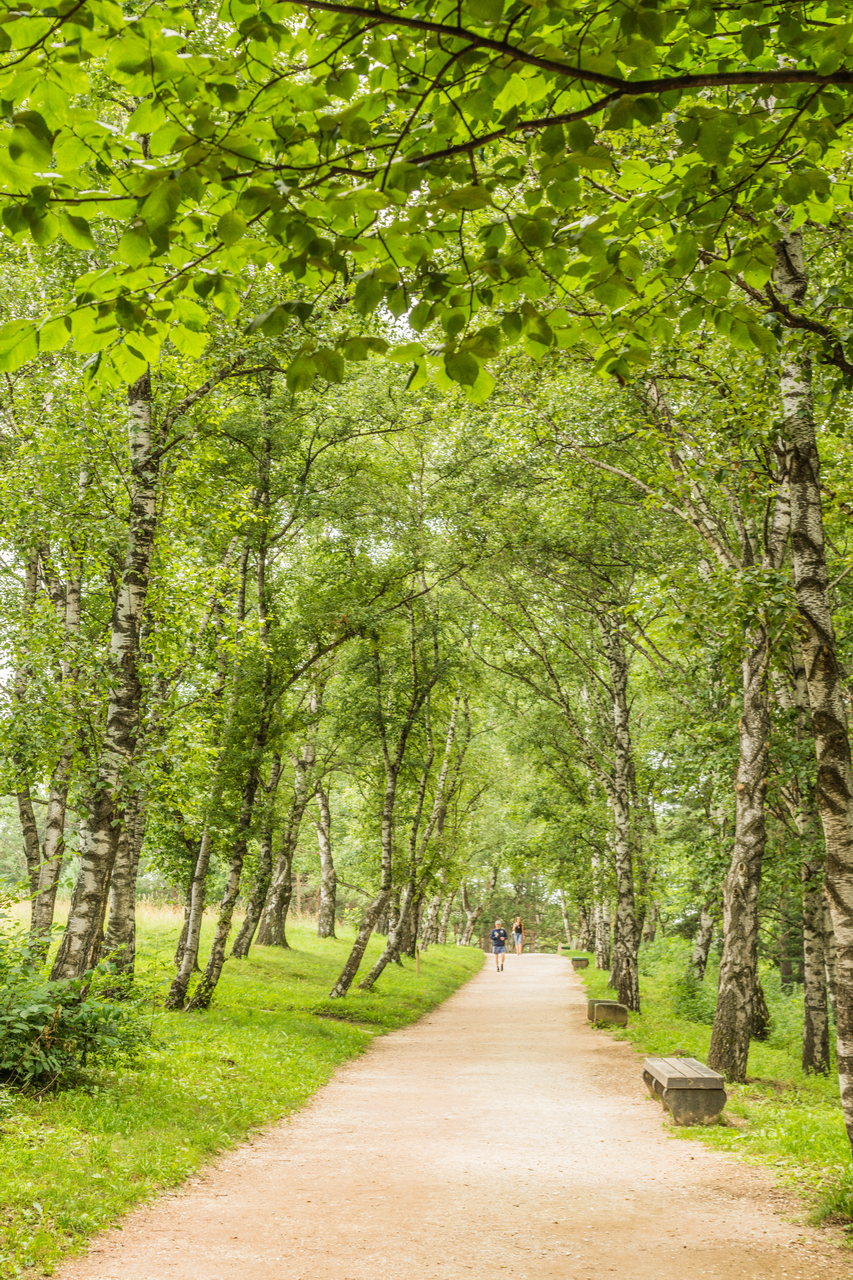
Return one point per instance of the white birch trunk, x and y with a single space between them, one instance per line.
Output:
826 679
328 876
81 940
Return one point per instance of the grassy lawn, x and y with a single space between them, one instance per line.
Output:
781 1117
72 1163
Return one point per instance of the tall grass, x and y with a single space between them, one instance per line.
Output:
71 1163
781 1116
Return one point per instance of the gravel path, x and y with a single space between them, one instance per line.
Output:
500 1134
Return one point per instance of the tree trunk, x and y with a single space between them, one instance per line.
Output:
189 954
260 889
327 908
816 1019
626 934
273 926
120 941
760 1023
567 930
429 933
26 813
602 937
730 1037
106 805
702 942
398 933
445 918
472 915
53 848
203 993
826 680
830 957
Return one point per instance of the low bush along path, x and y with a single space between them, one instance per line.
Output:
500 1133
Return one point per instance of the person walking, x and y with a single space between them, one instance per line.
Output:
518 935
498 937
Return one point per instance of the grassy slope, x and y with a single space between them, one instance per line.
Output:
71 1163
781 1117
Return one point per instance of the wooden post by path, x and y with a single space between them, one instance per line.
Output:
417 962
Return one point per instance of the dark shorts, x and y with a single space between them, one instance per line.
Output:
498 950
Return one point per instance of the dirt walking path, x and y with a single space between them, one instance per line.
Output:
499 1135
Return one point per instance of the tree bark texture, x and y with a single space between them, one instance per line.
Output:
273 927
327 908
263 877
105 817
120 940
826 679
203 993
393 763
446 912
626 936
816 1018
730 1037
702 942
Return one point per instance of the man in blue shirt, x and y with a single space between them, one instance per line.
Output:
498 937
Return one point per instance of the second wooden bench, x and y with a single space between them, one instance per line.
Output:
690 1091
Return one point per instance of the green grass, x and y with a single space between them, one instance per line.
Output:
780 1117
72 1163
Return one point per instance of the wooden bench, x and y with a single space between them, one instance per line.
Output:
690 1091
610 1011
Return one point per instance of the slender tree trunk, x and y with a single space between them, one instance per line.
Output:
53 848
567 929
826 680
203 993
830 957
120 941
105 816
626 934
816 1020
472 915
260 889
26 813
429 933
327 908
273 927
445 918
189 954
702 942
733 1021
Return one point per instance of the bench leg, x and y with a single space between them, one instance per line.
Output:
652 1086
694 1106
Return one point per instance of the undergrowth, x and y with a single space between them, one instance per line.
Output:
73 1161
780 1117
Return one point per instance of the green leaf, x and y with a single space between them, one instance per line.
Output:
187 341
329 364
53 334
369 292
300 374
581 136
485 10
18 345
231 227
30 142
462 368
134 247
715 138
76 231
752 42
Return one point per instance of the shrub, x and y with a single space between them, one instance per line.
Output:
51 1031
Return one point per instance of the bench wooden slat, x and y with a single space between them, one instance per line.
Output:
683 1073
